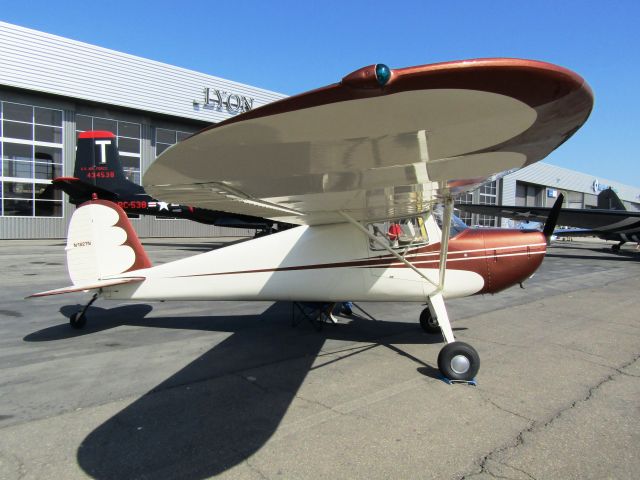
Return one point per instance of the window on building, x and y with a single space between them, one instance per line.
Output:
488 196
165 138
32 155
464 198
127 137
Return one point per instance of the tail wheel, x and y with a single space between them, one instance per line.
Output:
458 361
78 320
428 322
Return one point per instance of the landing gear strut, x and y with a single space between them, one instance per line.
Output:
457 360
79 319
616 247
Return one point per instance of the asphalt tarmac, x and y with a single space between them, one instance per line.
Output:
232 389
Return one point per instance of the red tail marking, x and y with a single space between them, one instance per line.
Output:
96 134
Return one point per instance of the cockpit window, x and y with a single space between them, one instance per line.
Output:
399 234
457 225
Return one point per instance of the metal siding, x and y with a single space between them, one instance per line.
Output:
42 63
38 61
561 178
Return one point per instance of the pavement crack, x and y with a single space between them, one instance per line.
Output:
591 391
575 349
255 469
501 408
512 467
536 426
329 408
483 464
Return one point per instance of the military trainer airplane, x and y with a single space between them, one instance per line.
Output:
610 220
98 171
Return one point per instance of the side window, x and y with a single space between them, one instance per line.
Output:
399 234
165 138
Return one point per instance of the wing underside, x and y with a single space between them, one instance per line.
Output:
376 150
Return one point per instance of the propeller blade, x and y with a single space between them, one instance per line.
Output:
552 219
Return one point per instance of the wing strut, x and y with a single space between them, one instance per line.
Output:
435 300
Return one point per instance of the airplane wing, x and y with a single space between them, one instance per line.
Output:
573 232
378 144
597 220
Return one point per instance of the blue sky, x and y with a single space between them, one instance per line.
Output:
294 46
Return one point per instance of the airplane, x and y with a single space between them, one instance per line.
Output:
609 221
98 170
344 161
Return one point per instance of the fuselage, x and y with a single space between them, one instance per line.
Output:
336 263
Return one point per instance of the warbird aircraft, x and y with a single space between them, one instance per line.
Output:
343 162
98 170
610 220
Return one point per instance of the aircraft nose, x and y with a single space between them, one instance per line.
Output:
512 257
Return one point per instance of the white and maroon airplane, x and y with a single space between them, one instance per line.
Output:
343 162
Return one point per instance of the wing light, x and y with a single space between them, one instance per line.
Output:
383 74
370 77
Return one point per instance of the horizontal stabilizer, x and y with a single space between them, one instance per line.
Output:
81 191
90 286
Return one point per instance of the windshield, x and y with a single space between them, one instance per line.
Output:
457 225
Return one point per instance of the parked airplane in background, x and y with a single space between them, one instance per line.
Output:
343 162
98 171
610 221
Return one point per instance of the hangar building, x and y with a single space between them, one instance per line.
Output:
538 186
52 88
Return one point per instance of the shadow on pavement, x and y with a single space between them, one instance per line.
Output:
224 406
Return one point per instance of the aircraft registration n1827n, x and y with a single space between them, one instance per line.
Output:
344 162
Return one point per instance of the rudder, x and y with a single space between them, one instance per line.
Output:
609 200
101 242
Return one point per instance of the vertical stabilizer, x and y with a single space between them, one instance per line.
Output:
98 163
609 200
101 242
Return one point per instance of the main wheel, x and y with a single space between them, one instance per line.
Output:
458 361
428 323
78 320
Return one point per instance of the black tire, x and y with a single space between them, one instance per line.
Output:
428 323
458 361
78 320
